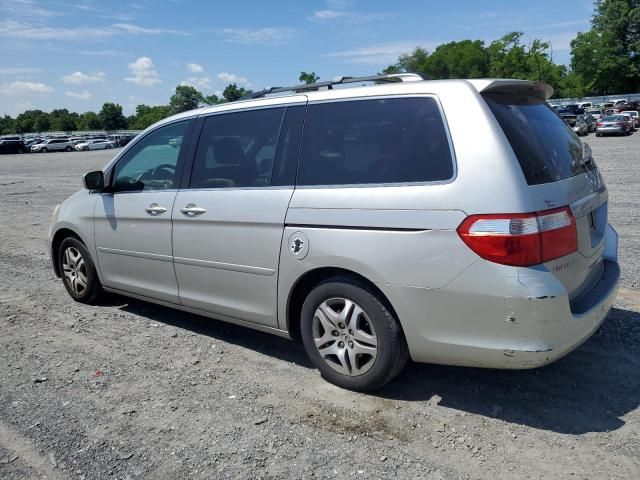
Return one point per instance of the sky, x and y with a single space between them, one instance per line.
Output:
80 54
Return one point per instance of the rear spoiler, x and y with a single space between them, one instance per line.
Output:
538 90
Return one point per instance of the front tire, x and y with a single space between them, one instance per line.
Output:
78 271
351 336
44 150
67 149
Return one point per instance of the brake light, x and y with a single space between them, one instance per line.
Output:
620 124
521 239
599 124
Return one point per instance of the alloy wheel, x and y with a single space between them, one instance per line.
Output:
344 336
75 270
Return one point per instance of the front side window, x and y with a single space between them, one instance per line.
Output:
237 149
393 140
151 164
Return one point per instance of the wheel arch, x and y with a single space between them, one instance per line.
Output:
310 279
56 241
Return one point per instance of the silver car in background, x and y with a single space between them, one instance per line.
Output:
370 223
612 125
53 145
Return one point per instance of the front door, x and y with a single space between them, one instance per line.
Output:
133 224
228 224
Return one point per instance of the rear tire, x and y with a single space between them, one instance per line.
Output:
363 346
67 149
78 272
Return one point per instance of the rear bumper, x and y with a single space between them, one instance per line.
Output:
496 317
611 131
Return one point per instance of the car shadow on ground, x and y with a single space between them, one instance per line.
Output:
590 390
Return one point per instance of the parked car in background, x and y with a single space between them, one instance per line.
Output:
581 126
634 116
585 105
94 145
569 118
53 145
573 109
12 146
612 125
629 121
597 114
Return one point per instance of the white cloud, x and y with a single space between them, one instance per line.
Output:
23 30
264 36
195 68
323 15
200 83
84 95
17 70
22 7
31 31
79 78
19 87
138 30
233 78
382 53
143 73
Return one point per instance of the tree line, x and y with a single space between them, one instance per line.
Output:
604 60
111 117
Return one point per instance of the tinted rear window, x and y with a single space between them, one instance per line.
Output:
395 140
547 149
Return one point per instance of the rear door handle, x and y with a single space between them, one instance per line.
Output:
191 210
155 209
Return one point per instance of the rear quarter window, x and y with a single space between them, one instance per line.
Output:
546 148
394 140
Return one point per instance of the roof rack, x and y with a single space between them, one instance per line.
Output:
306 87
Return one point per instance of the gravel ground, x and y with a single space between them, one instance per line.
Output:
132 390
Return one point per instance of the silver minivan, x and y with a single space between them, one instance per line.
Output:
456 222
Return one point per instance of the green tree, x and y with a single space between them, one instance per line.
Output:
233 92
7 125
111 117
25 122
89 121
185 98
607 56
306 77
465 59
211 99
61 119
42 123
146 116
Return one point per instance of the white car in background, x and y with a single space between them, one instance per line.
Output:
94 145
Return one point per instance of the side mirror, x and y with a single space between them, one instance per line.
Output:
93 180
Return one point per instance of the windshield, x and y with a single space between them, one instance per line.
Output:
546 148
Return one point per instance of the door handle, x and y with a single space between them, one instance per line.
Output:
191 210
155 209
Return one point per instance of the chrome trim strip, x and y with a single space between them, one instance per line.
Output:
128 253
267 272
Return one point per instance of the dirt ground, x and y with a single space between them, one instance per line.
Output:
132 390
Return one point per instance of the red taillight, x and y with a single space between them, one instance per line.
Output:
599 124
619 124
521 239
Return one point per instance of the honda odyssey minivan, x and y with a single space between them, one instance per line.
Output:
457 222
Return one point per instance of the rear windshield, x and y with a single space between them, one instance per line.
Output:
546 148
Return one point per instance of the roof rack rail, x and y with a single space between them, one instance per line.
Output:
306 87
